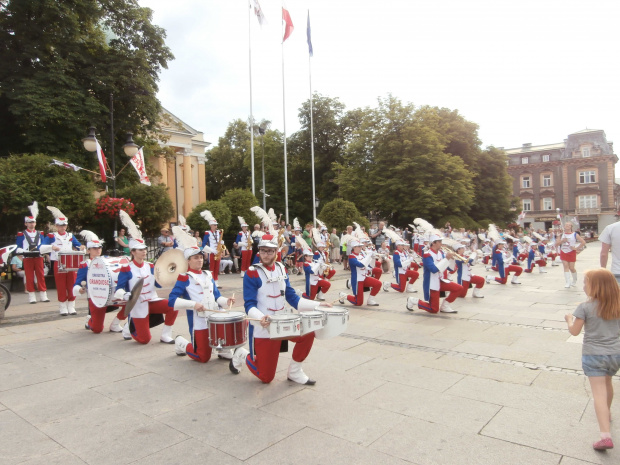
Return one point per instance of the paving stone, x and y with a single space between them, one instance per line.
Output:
57 457
22 441
189 451
24 373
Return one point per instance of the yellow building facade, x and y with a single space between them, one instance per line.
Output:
184 176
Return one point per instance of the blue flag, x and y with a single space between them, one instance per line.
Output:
309 36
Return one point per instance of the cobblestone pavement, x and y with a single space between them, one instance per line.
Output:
499 382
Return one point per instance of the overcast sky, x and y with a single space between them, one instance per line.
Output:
524 71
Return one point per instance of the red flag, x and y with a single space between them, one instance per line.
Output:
288 28
102 162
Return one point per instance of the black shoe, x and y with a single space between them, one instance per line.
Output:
232 368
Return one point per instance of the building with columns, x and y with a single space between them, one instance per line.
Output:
185 175
576 175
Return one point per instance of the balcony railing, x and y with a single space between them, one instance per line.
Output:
587 211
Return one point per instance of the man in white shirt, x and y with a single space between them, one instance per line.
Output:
610 239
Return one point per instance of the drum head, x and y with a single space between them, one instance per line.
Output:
224 317
336 310
285 317
312 313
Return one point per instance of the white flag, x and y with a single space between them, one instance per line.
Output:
259 13
137 161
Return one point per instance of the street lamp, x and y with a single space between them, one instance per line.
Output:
316 202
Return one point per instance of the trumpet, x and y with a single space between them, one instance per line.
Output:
460 258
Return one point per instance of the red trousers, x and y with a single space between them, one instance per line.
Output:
214 266
521 257
410 276
375 287
323 286
32 267
141 330
330 274
200 350
478 281
246 259
540 263
517 270
97 317
264 361
377 271
485 259
64 284
454 290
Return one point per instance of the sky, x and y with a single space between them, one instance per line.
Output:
527 71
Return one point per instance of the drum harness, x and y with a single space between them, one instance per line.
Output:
207 301
281 278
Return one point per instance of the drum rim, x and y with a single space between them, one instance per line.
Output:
285 317
228 317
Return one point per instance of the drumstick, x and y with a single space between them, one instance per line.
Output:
231 299
253 319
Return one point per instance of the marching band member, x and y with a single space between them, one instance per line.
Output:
367 249
212 239
487 251
360 278
464 276
568 253
196 292
405 275
95 320
504 259
30 240
314 270
535 257
62 241
435 264
266 288
148 302
321 256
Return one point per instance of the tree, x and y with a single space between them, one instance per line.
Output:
153 206
26 178
340 213
493 187
61 61
217 208
239 202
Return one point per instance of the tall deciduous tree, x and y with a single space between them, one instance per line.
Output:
153 206
61 60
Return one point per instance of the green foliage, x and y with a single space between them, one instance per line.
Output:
484 223
458 221
153 206
340 213
60 63
239 202
218 209
26 178
493 187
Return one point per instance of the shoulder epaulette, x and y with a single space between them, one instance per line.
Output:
50 235
183 277
20 233
125 269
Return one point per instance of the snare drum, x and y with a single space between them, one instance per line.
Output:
227 330
336 321
102 278
311 321
284 326
69 261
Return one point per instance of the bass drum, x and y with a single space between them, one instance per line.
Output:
102 278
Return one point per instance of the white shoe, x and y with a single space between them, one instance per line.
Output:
225 354
515 280
341 297
386 286
242 274
411 304
445 308
115 326
166 335
296 373
64 310
32 298
574 276
71 307
476 293
487 267
237 360
348 283
489 279
567 279
43 296
126 331
86 325
541 269
320 296
218 285
410 288
372 302
180 344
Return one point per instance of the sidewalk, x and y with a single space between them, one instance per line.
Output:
498 383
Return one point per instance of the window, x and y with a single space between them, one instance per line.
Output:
547 203
525 182
527 205
587 177
525 160
585 152
545 158
546 180
588 201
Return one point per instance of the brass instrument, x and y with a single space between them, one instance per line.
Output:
250 242
220 245
457 256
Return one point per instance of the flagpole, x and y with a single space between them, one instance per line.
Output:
311 134
284 127
251 113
